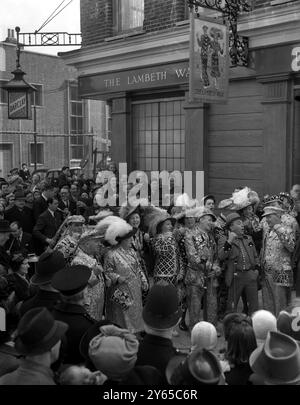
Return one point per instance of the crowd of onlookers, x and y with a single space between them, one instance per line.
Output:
95 295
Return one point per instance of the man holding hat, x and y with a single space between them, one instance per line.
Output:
242 263
72 282
38 339
278 247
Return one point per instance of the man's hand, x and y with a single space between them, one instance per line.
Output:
273 220
50 242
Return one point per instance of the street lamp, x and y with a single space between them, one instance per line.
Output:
19 97
19 91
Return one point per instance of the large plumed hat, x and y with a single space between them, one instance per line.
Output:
154 216
128 209
114 229
240 199
101 215
182 206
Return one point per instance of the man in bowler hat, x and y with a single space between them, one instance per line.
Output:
161 314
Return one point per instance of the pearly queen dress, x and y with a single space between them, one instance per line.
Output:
127 313
95 292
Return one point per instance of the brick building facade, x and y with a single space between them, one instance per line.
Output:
61 116
140 66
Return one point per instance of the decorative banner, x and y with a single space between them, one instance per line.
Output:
18 107
209 60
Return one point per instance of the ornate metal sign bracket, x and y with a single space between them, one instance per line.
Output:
238 45
48 38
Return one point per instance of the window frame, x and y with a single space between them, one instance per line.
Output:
117 19
31 161
75 133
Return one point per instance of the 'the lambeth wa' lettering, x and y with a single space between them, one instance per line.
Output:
147 77
182 73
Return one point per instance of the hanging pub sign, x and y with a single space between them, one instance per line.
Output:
209 60
19 106
19 96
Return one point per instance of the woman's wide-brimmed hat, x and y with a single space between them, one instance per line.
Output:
240 199
114 230
153 216
182 207
127 210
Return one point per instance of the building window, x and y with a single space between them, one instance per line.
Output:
37 96
76 124
40 157
127 15
159 136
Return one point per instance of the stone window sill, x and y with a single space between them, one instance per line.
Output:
125 35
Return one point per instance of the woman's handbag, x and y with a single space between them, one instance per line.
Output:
121 298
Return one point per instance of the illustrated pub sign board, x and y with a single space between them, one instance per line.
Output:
209 60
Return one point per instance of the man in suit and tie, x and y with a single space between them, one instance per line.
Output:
40 205
65 204
47 225
19 240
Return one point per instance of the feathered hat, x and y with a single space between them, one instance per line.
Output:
240 199
114 229
130 208
101 215
199 212
153 216
182 206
